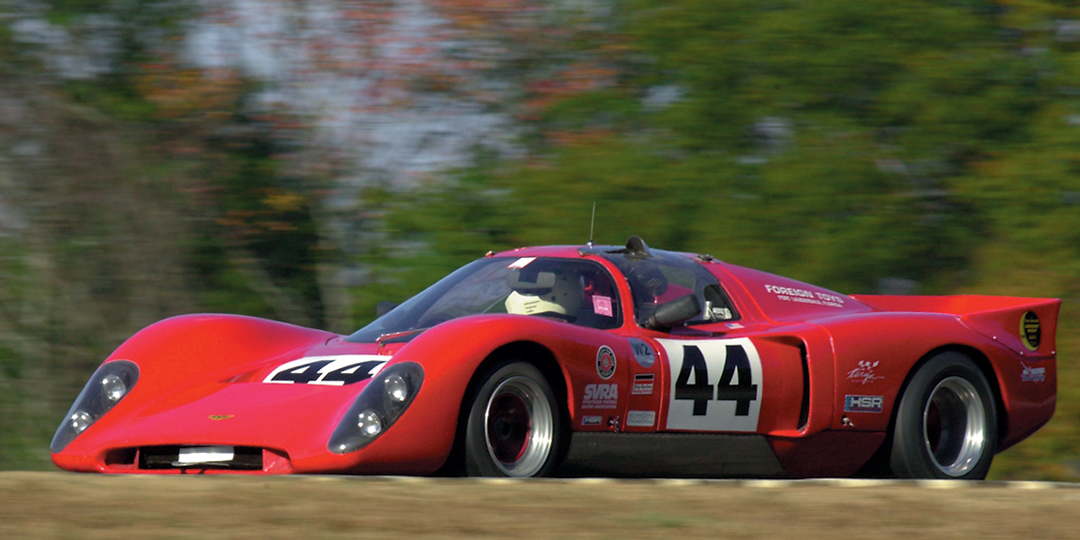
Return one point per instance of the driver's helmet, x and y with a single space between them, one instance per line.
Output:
558 293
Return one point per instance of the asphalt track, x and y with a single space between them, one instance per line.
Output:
47 505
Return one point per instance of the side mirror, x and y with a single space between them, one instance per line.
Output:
675 312
384 307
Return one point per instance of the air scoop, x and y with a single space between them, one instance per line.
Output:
204 454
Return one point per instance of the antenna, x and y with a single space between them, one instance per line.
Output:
592 223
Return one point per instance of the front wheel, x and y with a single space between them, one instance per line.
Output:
946 425
514 424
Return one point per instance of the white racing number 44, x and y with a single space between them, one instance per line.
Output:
715 385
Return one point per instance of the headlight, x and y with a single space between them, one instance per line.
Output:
377 407
397 389
80 421
113 388
109 384
369 423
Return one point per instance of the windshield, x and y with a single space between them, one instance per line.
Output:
572 290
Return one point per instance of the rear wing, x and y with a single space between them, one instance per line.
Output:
1025 325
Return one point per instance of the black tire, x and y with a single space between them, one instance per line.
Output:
514 425
946 424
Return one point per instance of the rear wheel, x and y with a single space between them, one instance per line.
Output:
514 424
946 425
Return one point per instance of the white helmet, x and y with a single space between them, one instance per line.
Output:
563 297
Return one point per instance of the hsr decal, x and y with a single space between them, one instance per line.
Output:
715 385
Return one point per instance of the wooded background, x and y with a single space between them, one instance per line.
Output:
304 160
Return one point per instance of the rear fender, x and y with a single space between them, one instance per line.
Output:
875 354
1000 318
1020 346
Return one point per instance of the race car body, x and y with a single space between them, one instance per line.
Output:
609 360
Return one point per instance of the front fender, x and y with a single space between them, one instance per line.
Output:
451 353
187 348
181 361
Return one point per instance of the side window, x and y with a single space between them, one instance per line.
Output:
718 307
579 292
601 306
662 277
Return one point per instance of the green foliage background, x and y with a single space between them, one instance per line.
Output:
930 146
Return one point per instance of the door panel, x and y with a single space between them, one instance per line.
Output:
738 385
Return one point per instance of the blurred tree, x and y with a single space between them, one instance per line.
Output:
133 187
815 140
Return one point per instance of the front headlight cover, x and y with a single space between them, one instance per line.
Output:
377 407
108 386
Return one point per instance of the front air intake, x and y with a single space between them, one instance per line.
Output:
237 458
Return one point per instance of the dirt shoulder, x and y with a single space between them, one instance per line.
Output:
74 506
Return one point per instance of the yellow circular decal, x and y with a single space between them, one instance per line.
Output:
1030 330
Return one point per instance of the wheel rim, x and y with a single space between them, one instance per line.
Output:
954 426
518 427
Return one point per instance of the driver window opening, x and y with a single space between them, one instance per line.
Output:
718 307
663 277
579 292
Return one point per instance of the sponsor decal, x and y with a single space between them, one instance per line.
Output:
1030 330
864 374
734 325
803 296
601 305
1033 374
328 370
716 384
640 418
643 353
592 420
863 404
605 362
600 396
613 423
216 417
643 384
521 263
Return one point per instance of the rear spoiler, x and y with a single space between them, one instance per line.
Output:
1025 325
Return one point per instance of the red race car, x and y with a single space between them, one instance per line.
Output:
584 360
